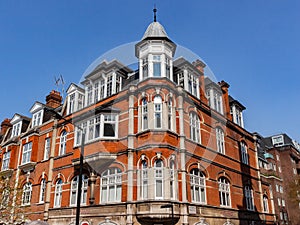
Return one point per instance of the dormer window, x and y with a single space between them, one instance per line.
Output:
215 100
37 118
278 140
75 99
16 130
237 115
145 68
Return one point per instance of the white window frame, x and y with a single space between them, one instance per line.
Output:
16 130
144 114
278 140
156 61
27 193
74 190
47 148
173 179
158 112
220 140
224 192
26 154
6 160
144 179
170 114
195 127
58 193
63 143
37 118
159 179
111 181
198 186
244 153
42 190
72 100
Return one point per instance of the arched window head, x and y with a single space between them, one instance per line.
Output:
244 153
144 180
198 188
43 190
157 112
63 142
220 140
224 191
249 198
265 204
158 177
144 114
195 127
58 193
27 192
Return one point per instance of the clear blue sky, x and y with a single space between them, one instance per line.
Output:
253 45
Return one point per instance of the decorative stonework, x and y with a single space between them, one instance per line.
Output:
202 222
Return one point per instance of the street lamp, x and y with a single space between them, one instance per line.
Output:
169 206
79 187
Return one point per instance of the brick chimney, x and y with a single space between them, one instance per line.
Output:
224 86
54 99
5 125
200 67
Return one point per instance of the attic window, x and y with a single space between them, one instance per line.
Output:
37 118
277 140
16 130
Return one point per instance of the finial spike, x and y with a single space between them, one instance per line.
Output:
154 11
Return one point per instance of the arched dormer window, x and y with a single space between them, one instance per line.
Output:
158 177
63 143
195 127
220 140
157 112
144 114
198 188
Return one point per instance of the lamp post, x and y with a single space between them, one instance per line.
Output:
172 207
79 187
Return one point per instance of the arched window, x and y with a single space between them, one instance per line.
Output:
43 190
157 112
224 191
220 140
244 153
249 198
170 112
144 114
144 179
197 181
158 177
27 191
63 142
74 190
111 185
172 179
266 204
194 127
58 193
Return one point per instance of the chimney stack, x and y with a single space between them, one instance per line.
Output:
5 125
54 99
200 67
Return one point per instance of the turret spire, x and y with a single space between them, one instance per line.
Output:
154 11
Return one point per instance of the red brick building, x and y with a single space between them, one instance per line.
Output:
164 133
279 162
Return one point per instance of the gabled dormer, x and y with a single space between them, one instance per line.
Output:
214 95
155 52
75 98
236 110
19 125
37 111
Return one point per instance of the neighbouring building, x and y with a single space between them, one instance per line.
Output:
279 163
161 136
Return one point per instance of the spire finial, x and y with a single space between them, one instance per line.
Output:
154 11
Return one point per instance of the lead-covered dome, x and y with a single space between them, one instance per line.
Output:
154 30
